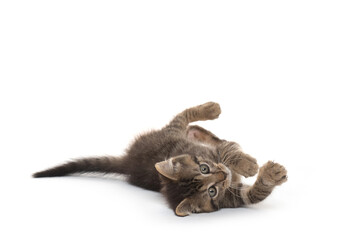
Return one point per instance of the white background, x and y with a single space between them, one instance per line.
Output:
83 78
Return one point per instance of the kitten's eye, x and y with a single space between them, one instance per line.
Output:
204 168
212 191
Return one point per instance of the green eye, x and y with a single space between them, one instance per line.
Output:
204 168
212 191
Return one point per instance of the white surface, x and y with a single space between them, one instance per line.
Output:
82 78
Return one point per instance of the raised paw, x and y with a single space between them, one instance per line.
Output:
244 164
234 158
273 174
209 111
248 165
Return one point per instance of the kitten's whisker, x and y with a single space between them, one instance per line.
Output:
234 194
239 188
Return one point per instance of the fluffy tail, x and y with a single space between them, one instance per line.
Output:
106 164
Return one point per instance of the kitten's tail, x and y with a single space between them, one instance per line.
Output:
107 164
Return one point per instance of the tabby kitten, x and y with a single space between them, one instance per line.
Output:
194 169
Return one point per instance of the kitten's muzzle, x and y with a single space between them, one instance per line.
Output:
224 175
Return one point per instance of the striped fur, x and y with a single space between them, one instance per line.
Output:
105 164
270 175
170 161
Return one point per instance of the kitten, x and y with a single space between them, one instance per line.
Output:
194 169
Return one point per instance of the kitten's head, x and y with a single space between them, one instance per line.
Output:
193 184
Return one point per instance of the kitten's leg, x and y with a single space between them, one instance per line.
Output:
235 159
270 175
207 111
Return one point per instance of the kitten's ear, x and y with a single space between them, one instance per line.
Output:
175 166
166 168
197 133
185 208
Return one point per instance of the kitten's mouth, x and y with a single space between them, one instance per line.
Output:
227 181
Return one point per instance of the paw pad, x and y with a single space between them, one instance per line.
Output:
273 174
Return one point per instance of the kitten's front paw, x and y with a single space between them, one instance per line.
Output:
210 110
249 169
273 174
245 165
